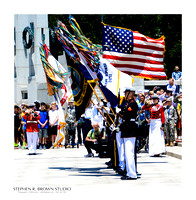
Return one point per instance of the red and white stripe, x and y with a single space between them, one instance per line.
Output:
146 60
64 94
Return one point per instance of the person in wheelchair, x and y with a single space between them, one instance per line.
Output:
93 139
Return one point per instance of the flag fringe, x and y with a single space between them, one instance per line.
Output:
149 78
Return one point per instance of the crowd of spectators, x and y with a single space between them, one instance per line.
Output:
47 124
170 96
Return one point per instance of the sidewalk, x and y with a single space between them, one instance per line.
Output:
175 151
68 167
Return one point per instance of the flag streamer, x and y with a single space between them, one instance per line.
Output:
123 50
58 85
84 53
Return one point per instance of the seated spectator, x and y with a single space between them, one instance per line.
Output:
177 75
93 139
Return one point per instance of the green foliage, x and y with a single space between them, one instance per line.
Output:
150 25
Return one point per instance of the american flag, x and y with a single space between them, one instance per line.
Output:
134 53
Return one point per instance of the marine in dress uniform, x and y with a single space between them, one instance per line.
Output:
129 130
120 149
32 130
157 120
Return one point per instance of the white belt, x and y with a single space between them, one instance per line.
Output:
32 122
132 120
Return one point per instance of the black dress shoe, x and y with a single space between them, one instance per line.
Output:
32 154
121 172
107 163
118 168
89 155
115 168
127 178
110 166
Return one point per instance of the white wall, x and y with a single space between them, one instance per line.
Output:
28 60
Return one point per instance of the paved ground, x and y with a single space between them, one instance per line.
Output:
175 152
69 168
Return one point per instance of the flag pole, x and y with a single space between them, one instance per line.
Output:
101 113
60 124
89 82
115 153
100 101
106 100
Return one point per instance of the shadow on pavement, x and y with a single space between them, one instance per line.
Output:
89 171
85 171
36 154
150 162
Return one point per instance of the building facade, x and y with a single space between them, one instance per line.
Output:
29 76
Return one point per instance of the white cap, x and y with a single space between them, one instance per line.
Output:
129 89
145 91
139 91
71 100
155 96
169 99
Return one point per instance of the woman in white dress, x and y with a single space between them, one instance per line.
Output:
156 134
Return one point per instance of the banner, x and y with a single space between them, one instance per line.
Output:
134 53
113 79
59 85
82 91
